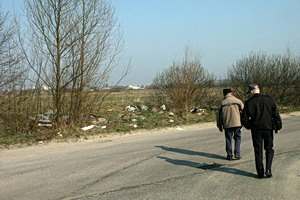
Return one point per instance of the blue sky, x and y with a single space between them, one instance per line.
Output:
156 32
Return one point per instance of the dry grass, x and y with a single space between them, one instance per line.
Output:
117 118
16 127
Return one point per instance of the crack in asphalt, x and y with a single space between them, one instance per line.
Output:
14 174
143 185
110 174
219 167
130 187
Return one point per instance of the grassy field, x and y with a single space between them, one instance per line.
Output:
121 112
145 116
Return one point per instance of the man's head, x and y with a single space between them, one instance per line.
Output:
227 91
253 88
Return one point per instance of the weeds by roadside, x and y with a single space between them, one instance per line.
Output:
123 112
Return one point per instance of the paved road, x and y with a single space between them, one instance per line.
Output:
174 164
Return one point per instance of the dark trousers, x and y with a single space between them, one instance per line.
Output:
234 133
263 139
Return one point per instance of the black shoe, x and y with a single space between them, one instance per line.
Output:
229 157
238 157
260 176
269 174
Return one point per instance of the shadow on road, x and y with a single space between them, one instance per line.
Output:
189 152
215 167
205 166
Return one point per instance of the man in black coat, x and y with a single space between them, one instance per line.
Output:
260 114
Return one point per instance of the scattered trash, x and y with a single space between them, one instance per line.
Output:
50 112
131 108
88 127
133 114
45 122
102 127
98 119
171 114
101 119
143 107
40 142
196 110
45 125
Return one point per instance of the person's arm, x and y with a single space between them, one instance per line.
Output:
219 119
245 117
276 119
242 105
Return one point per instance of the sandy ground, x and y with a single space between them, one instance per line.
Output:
112 136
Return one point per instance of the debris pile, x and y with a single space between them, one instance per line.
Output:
198 111
132 116
44 120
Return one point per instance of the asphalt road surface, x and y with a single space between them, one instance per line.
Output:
166 164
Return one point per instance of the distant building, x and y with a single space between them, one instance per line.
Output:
124 87
34 88
45 87
134 87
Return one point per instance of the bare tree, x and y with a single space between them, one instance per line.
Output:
10 57
12 75
250 69
284 76
184 85
100 43
277 76
77 43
